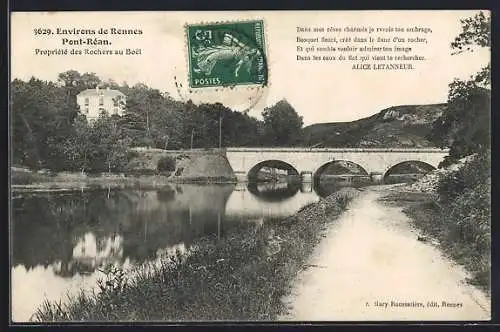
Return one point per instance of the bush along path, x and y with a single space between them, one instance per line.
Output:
459 216
243 276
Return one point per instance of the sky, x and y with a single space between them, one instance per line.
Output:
319 91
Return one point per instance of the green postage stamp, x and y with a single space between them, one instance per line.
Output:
226 54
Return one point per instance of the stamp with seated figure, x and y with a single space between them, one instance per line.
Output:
226 54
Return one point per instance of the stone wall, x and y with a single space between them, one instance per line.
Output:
190 165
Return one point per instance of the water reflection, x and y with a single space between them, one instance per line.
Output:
256 200
326 185
61 239
275 190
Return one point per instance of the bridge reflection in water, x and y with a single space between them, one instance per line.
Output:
60 239
281 199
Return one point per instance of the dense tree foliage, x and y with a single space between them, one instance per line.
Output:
465 125
282 124
48 130
476 30
42 118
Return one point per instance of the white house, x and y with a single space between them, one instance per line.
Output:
93 101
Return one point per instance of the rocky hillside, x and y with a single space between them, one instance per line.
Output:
429 182
398 126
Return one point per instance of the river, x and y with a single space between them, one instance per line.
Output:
61 238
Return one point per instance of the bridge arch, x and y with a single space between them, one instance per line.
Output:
339 165
409 166
272 163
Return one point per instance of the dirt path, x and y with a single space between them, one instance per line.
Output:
370 259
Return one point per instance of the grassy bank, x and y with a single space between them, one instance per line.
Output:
458 216
242 276
36 181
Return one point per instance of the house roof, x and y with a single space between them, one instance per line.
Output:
105 92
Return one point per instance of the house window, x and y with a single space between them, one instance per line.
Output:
118 101
86 110
86 101
101 100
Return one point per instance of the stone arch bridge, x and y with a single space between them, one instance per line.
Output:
373 161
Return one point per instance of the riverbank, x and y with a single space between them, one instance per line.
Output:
242 276
147 168
32 181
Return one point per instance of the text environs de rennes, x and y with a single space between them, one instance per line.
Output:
76 36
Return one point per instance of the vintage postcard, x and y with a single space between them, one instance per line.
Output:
250 166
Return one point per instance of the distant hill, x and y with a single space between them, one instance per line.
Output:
397 126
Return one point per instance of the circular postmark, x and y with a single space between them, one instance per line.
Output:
239 98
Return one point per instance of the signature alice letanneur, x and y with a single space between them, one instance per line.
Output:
416 304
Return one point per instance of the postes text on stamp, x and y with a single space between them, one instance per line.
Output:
226 54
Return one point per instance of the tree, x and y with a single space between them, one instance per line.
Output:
239 129
79 148
142 103
111 144
27 124
110 84
282 124
75 82
49 131
476 31
465 124
42 119
170 122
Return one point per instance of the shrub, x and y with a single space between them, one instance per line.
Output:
466 214
166 164
131 154
182 156
141 172
24 178
179 171
454 184
471 213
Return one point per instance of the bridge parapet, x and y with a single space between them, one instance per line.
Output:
326 150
